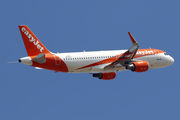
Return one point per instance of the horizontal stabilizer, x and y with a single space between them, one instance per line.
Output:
40 58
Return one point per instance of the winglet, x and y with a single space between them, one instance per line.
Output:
132 38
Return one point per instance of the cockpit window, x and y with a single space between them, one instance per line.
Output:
165 54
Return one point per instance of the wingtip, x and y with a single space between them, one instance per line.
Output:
132 38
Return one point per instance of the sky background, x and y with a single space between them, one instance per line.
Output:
91 25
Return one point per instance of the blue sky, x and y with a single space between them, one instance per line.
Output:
77 25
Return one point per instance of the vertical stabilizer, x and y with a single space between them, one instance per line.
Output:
32 43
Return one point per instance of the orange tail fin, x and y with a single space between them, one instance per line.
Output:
31 42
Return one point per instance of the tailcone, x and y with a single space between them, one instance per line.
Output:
26 60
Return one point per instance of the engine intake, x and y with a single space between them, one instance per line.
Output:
139 66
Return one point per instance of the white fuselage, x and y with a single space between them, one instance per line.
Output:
77 60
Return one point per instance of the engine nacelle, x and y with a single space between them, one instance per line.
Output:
139 66
105 76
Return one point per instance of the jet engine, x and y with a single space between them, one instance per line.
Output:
105 76
139 66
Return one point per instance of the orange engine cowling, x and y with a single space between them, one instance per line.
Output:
139 66
105 76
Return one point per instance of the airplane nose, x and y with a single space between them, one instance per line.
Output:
171 60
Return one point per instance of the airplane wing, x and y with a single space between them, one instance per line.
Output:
126 57
123 59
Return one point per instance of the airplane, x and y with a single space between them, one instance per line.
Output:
101 64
